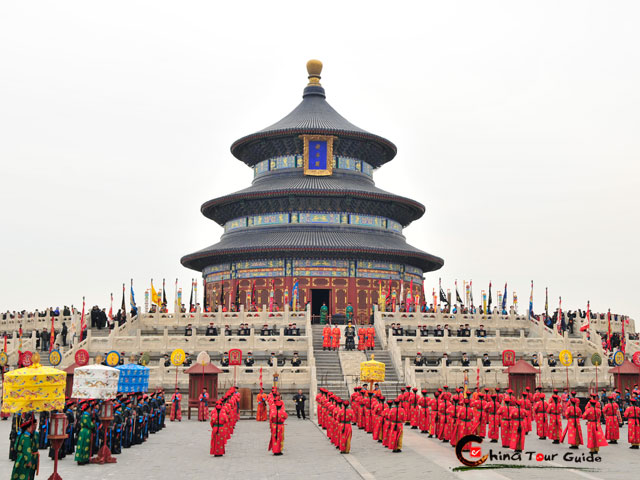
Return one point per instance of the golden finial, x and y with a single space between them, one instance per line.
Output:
98 359
372 356
35 359
314 69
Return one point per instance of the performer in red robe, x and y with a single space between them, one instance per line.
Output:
540 411
554 414
444 405
518 428
453 420
491 408
479 417
335 338
276 419
464 422
396 417
376 413
434 419
326 338
632 414
613 419
176 411
504 413
371 337
423 412
595 437
203 405
261 413
386 423
344 416
573 430
362 338
219 421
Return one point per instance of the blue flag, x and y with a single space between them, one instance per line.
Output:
504 298
294 294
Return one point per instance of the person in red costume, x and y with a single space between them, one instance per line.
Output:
344 417
261 413
362 338
203 405
540 412
491 408
276 419
335 338
595 437
613 419
573 430
396 416
371 337
376 412
632 414
504 412
423 412
219 421
554 415
326 337
176 410
518 429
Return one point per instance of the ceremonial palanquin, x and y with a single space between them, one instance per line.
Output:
95 381
33 389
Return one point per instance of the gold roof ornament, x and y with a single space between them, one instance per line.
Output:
314 69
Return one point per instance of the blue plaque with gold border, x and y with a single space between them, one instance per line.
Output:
318 154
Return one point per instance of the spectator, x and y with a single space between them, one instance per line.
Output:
460 332
211 330
265 332
167 360
551 361
445 360
188 330
467 330
295 330
485 360
534 360
465 360
273 361
580 360
227 331
224 361
249 361
295 360
418 361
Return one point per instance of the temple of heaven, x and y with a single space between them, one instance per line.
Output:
312 226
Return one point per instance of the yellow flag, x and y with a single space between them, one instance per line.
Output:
155 298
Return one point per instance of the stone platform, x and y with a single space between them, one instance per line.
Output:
182 451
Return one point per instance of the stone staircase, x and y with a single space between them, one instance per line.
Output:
390 388
328 369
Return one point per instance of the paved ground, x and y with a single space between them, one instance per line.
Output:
182 451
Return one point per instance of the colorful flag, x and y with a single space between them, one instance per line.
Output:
471 292
559 322
52 337
123 306
82 325
504 298
609 329
531 301
458 299
623 339
236 300
20 331
154 295
253 293
484 301
585 326
5 343
294 296
132 301
164 294
546 301
271 295
410 296
222 295
490 298
111 310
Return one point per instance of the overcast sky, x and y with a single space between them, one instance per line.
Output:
517 126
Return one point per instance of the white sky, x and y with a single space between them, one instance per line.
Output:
516 124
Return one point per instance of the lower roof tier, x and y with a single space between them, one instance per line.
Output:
291 192
312 242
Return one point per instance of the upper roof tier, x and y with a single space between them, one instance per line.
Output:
313 116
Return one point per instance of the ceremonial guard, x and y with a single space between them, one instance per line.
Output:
540 410
261 413
219 436
176 410
335 338
27 456
350 337
326 338
349 313
632 414
395 416
83 447
203 405
276 418
344 417
555 411
324 312
573 430
613 420
595 437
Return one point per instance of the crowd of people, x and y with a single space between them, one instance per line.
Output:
136 415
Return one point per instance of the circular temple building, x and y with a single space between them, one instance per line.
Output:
312 227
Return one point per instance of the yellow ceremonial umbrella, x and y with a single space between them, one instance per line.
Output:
372 371
34 389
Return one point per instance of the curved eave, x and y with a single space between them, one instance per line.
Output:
214 209
305 242
246 148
